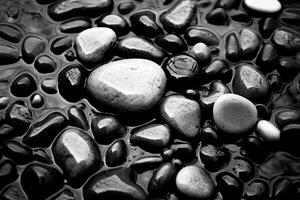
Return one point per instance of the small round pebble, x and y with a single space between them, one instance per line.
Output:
267 131
265 6
234 114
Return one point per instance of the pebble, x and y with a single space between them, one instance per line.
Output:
255 148
71 82
8 172
32 46
201 53
213 157
45 64
256 189
194 182
232 47
8 54
49 85
275 82
136 47
229 186
125 85
42 156
6 131
118 183
179 16
182 114
162 179
288 68
45 129
287 41
227 4
65 194
241 16
197 34
250 83
126 7
115 22
243 168
93 44
217 16
185 152
289 137
208 133
267 131
146 163
12 192
171 42
77 118
152 137
267 58
82 153
42 178
61 44
3 102
106 128
143 23
215 70
242 111
66 9
23 85
267 26
116 154
283 189
10 33
249 43
19 153
266 6
290 17
75 25
287 116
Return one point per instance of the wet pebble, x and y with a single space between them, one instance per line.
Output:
283 189
288 68
8 54
201 53
32 46
267 131
152 137
182 114
185 152
145 163
45 64
23 85
42 156
171 42
11 33
115 22
229 186
8 172
194 182
66 9
276 82
241 16
227 4
65 194
61 44
37 101
217 69
267 6
267 26
116 154
256 189
118 183
195 35
127 86
243 168
267 58
213 157
136 47
49 85
126 7
77 118
3 102
93 44
242 111
179 16
6 131
12 192
287 116
255 148
287 41
249 43
42 178
290 17
75 25
106 128
289 137
18 152
217 16
84 156
232 47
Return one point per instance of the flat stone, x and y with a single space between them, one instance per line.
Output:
266 6
182 114
194 182
129 85
92 44
242 112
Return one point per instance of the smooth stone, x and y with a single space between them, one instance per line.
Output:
208 100
267 26
19 116
289 138
227 4
71 82
266 6
82 153
283 189
146 163
144 23
201 53
255 148
49 85
256 189
179 16
263 111
127 86
12 192
77 118
229 186
37 101
75 25
216 69
45 129
32 46
232 47
70 55
287 41
194 182
19 153
184 152
61 44
162 179
195 35
243 168
136 47
125 8
8 172
171 42
213 157
182 114
249 82
116 154
116 183
267 58
217 16
241 16
115 22
288 68
242 112
11 33
152 137
290 17
267 131
208 133
45 64
66 9
287 116
93 44
23 85
66 194
249 43
3 102
43 2
8 54
106 128
40 181
42 156
275 82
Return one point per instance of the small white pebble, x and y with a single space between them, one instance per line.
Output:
267 131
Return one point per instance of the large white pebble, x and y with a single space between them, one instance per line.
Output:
129 85
267 131
264 6
234 114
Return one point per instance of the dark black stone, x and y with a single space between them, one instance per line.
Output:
213 157
44 64
37 101
232 47
49 85
243 168
267 26
195 35
115 22
288 68
11 33
184 152
6 132
240 16
61 44
171 42
8 54
70 55
263 111
66 194
77 118
255 148
290 17
32 46
283 189
215 70
3 102
42 156
267 58
143 164
275 82
227 4
126 7
257 189
208 133
116 154
12 192
23 86
289 137
18 152
8 172
75 25
229 186
217 16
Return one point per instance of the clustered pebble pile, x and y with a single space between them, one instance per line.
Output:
149 99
